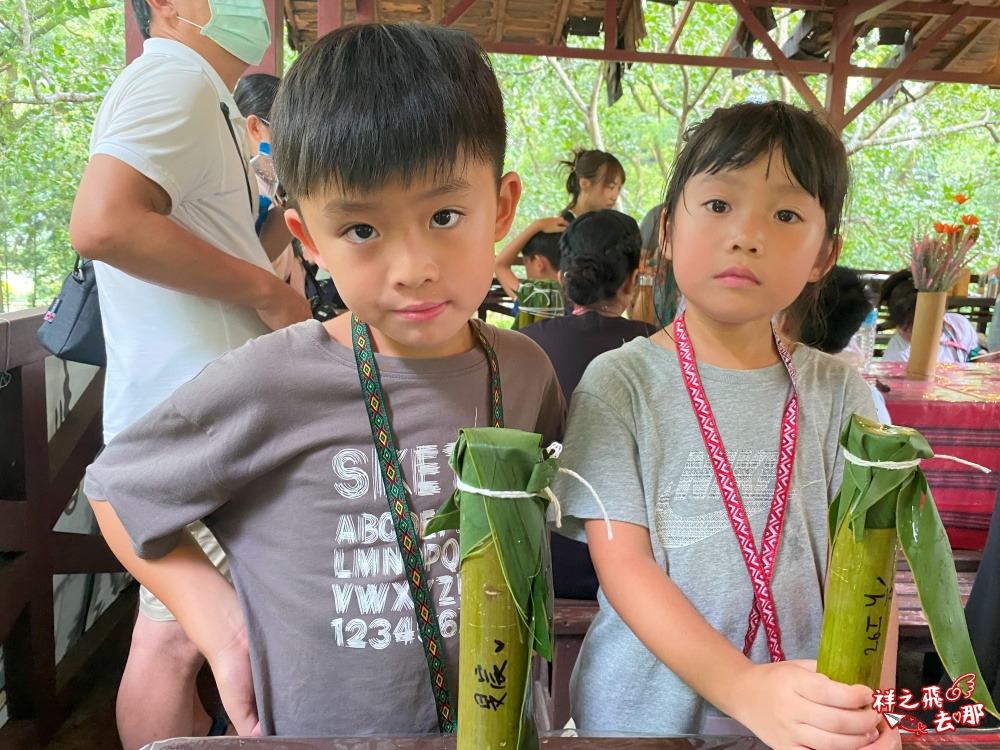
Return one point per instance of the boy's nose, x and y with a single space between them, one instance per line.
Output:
414 264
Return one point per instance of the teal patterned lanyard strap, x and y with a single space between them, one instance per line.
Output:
395 490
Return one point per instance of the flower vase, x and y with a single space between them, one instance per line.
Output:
925 337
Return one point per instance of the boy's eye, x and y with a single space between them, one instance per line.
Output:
446 218
787 216
359 233
717 206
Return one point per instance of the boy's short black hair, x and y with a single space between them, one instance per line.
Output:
735 137
899 295
545 244
370 103
841 309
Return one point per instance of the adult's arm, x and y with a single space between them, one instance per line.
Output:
275 235
120 218
204 603
505 260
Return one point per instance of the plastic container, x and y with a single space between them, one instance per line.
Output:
866 338
263 169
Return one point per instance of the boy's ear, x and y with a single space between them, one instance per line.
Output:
827 260
507 198
293 219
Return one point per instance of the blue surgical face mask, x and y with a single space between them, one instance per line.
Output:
238 26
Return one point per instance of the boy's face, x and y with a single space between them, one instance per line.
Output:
745 242
416 261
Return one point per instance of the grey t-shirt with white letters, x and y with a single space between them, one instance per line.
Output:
271 445
633 434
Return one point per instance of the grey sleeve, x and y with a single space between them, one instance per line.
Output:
158 476
857 400
601 447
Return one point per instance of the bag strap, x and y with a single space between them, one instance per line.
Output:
243 161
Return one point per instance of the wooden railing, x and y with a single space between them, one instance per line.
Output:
38 477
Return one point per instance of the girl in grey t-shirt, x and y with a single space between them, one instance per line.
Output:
713 436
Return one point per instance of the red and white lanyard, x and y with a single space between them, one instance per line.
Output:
760 566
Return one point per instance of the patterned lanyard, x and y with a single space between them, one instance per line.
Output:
395 490
759 566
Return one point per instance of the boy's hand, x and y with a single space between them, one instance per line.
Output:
231 668
789 705
551 225
282 306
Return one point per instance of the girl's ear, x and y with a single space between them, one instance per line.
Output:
828 259
585 184
257 129
666 248
293 219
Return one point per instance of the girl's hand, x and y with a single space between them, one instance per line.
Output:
789 705
550 225
888 739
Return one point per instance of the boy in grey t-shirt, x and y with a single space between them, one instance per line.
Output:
273 444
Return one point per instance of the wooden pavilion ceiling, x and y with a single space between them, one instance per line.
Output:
937 40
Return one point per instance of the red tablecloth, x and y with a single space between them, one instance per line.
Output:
959 414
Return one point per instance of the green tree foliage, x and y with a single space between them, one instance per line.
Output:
58 58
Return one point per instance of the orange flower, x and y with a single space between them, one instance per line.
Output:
970 219
952 228
939 227
960 198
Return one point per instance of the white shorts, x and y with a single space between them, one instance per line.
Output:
152 607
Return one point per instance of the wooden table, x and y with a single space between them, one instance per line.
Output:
958 411
967 740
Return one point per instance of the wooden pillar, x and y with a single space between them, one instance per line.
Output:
133 37
274 59
329 16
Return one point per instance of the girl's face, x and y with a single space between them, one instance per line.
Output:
598 193
745 242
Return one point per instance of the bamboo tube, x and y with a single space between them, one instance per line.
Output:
495 659
925 336
858 602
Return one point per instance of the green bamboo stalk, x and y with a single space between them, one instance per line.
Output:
495 657
858 602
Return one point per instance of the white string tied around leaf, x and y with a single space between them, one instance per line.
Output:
851 458
554 451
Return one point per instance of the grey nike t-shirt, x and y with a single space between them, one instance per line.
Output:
271 446
633 434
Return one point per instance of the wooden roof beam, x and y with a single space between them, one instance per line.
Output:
676 35
329 16
610 25
364 11
871 9
501 12
777 56
841 49
963 46
557 34
457 12
959 14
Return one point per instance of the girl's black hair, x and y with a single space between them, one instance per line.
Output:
370 103
899 295
598 252
143 16
842 307
591 165
735 137
255 94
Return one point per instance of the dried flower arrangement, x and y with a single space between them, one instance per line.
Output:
938 260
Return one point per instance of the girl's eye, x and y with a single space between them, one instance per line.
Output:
787 216
717 206
360 233
446 218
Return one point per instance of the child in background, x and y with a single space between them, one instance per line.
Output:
274 444
599 265
751 224
594 182
539 296
959 340
831 324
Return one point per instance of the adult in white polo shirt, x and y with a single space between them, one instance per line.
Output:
166 208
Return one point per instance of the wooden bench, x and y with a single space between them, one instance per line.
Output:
573 618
